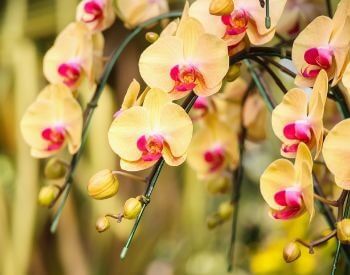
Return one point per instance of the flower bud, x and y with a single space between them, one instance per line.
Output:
233 73
55 169
151 37
218 186
132 208
103 185
343 231
102 224
47 195
213 221
291 252
221 7
225 210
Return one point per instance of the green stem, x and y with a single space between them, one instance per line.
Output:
187 105
91 106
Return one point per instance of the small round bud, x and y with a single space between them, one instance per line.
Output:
47 195
151 37
291 252
218 186
221 7
132 208
343 231
55 169
103 185
225 210
213 221
102 224
233 73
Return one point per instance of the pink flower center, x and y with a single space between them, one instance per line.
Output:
55 137
236 22
70 72
151 147
317 59
93 11
299 130
186 77
292 200
215 158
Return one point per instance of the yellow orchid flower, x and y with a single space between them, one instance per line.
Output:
247 18
214 148
72 56
346 77
52 121
288 188
141 135
190 60
336 153
323 45
98 15
297 119
134 12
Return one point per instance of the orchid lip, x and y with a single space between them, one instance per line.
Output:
215 158
55 136
299 130
70 72
291 199
151 147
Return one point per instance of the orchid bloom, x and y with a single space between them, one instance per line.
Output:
54 120
346 77
288 188
141 135
134 12
247 18
323 45
190 60
72 57
214 148
297 119
336 153
98 15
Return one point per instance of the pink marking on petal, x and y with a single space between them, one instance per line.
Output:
299 130
215 158
280 198
55 136
175 72
290 148
317 59
70 72
186 77
151 147
94 11
201 103
226 19
287 213
236 22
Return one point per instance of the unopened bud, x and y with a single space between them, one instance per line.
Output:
213 221
103 185
218 186
102 224
291 252
151 37
47 195
343 231
233 73
55 169
225 210
221 7
132 208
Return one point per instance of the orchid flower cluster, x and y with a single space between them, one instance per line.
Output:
196 61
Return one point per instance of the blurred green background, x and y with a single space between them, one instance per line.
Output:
173 237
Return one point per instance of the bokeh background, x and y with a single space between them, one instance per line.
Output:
173 237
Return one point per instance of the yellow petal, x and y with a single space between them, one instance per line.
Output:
211 59
170 159
126 129
212 24
293 107
303 155
157 61
135 165
155 102
278 175
336 150
176 127
131 95
305 177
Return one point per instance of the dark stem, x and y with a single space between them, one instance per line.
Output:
329 8
187 105
93 104
317 242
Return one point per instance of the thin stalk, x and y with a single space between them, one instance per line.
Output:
187 105
329 8
317 242
91 106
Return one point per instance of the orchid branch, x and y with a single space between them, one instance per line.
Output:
91 106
